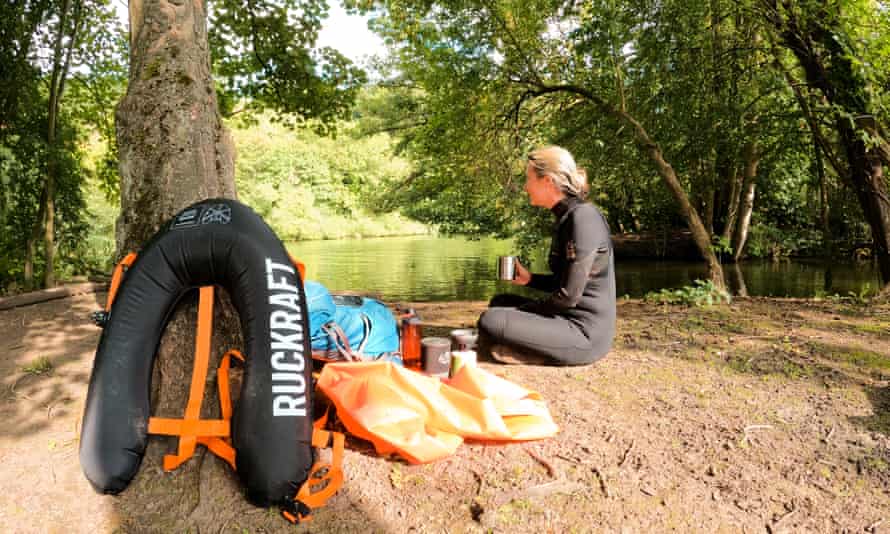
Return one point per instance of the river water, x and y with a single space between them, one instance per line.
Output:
429 268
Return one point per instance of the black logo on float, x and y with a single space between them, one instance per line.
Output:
286 335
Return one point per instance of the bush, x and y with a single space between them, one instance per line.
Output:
702 293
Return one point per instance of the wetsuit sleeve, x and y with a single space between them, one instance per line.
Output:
543 282
584 241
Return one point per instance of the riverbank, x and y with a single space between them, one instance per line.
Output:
769 414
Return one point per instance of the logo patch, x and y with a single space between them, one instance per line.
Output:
571 250
220 214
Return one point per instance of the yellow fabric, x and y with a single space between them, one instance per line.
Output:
423 418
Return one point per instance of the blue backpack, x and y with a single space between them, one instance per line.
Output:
350 327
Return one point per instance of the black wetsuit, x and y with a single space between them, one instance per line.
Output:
575 324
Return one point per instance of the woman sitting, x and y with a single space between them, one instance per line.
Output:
575 323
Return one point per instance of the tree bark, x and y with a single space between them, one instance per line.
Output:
173 147
31 244
749 186
174 151
732 209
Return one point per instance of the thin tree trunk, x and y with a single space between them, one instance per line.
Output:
709 198
732 209
31 244
740 280
819 167
57 89
174 151
749 186
52 118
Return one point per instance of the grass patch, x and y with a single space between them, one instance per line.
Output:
878 328
858 357
767 364
40 366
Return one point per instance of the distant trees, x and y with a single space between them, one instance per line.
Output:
44 46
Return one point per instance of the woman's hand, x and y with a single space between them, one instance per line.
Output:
522 277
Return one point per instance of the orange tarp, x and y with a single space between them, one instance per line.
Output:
423 418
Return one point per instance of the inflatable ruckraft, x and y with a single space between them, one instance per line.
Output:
271 436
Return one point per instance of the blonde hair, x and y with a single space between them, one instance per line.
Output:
558 164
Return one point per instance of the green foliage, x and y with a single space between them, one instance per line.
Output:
308 186
702 293
860 298
263 53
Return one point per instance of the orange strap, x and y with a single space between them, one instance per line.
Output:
117 276
301 268
324 479
212 433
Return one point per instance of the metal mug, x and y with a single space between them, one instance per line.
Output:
506 267
463 339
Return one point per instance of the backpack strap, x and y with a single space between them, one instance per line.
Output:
215 434
341 342
100 318
324 478
367 322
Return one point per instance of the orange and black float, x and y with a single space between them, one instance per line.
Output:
270 437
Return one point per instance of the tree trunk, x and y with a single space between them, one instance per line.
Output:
709 199
56 90
732 209
749 185
699 233
174 151
173 147
819 166
31 245
742 290
868 179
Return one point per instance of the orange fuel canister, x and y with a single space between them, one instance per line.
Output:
411 334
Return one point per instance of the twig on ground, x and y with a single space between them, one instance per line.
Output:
602 479
567 458
825 489
782 519
478 481
828 436
627 453
746 438
826 462
874 526
557 486
547 465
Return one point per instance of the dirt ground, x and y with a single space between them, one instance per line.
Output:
766 415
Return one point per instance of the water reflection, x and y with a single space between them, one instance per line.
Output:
427 268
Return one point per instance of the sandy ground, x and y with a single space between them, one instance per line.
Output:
766 415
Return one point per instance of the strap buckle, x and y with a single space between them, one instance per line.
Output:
296 512
100 318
